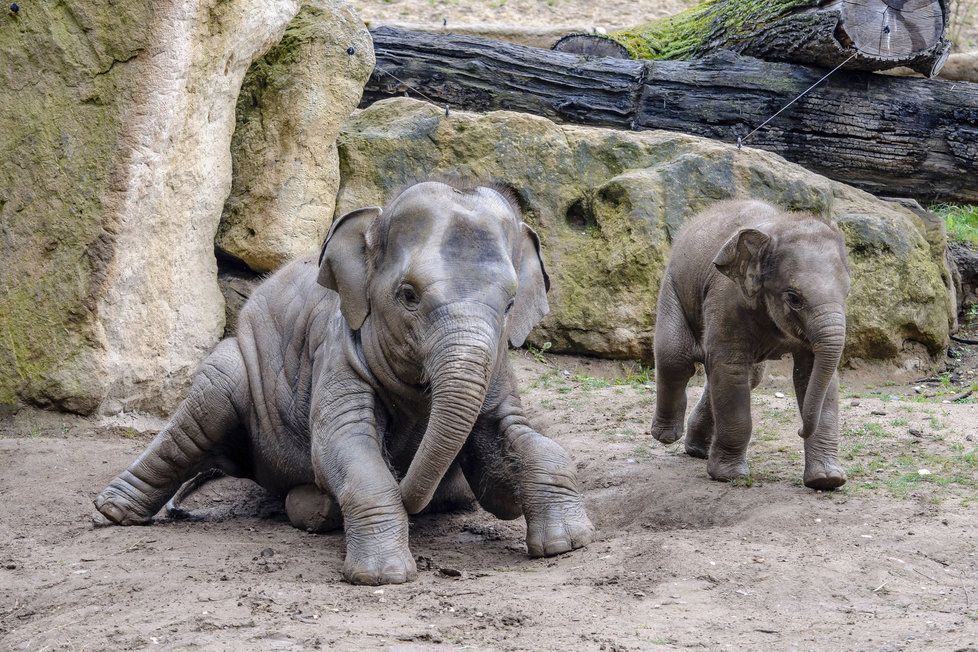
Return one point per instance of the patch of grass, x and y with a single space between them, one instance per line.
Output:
563 383
762 433
539 353
961 221
876 464
743 481
643 452
867 430
590 382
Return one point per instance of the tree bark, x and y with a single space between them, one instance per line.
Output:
888 135
875 34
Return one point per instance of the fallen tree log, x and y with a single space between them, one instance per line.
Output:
867 34
896 136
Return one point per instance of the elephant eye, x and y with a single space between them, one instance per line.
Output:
509 306
793 299
408 296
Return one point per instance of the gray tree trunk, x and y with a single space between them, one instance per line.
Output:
867 34
889 135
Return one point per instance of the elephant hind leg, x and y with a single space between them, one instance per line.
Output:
311 509
191 441
699 434
757 373
453 493
701 424
173 508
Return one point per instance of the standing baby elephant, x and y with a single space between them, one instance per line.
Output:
747 283
375 384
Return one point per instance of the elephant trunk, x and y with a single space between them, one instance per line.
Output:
460 360
827 333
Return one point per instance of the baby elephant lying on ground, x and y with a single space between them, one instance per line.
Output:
383 394
748 283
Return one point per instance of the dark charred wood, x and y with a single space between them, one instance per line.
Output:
889 135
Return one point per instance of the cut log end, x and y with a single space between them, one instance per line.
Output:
591 45
863 34
892 29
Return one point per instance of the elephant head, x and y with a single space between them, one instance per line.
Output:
797 271
437 283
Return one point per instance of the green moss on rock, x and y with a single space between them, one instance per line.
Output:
685 34
61 88
607 204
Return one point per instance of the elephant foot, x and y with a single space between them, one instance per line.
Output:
697 449
312 510
666 434
825 475
365 565
117 504
558 529
725 468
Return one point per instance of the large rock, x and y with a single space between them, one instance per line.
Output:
291 106
115 129
607 204
962 66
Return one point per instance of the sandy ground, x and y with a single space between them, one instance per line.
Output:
887 563
525 13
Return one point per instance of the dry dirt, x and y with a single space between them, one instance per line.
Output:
887 563
525 13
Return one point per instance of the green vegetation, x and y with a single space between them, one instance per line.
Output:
877 459
685 34
879 456
538 353
961 220
564 382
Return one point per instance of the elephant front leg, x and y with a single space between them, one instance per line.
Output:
730 386
349 464
822 468
515 470
200 427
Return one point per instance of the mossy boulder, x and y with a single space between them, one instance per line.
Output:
63 77
607 204
289 112
115 126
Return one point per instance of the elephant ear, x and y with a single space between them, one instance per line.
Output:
343 265
740 261
531 298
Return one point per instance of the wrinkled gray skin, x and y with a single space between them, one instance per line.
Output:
386 392
746 283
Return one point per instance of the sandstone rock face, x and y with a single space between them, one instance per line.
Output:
115 129
291 106
607 204
61 119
